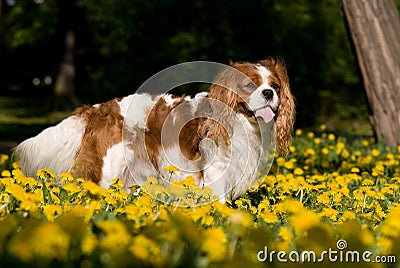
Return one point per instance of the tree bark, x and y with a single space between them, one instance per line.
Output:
374 28
64 89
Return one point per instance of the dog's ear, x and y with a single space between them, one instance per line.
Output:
286 111
223 101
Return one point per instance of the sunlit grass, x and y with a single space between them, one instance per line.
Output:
21 118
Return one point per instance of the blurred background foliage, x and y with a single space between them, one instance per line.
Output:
120 44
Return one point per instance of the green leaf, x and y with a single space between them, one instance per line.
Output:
63 196
73 196
46 195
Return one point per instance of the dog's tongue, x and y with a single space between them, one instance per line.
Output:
266 114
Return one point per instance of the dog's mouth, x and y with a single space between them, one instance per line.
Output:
265 113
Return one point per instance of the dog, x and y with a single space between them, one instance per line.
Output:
213 136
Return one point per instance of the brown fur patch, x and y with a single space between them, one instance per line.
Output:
189 139
154 124
182 129
103 130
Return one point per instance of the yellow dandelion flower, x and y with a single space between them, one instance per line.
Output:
3 158
368 182
286 238
171 169
331 137
71 187
324 198
310 135
6 173
309 152
45 173
89 243
116 236
189 181
215 244
91 187
285 234
16 191
391 225
325 151
52 211
298 132
385 244
28 205
345 154
355 170
151 180
298 171
368 237
292 206
375 152
270 180
329 213
378 170
17 174
15 165
241 218
280 161
317 140
47 241
340 145
390 156
303 221
379 211
146 249
117 182
337 196
66 177
268 216
289 165
27 181
292 149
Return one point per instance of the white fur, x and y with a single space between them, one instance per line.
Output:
257 101
115 167
234 168
170 100
134 109
54 148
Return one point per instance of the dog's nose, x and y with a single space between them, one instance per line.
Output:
268 94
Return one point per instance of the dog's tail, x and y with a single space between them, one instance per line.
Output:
54 148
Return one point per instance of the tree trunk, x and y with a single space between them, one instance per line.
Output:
374 27
64 89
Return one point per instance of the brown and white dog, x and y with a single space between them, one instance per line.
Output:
215 136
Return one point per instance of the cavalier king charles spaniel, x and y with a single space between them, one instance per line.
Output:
214 136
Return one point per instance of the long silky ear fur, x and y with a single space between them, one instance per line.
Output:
223 100
286 111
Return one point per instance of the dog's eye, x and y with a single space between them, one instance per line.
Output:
275 86
251 86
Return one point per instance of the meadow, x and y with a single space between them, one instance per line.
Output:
332 200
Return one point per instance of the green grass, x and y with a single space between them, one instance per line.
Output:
23 117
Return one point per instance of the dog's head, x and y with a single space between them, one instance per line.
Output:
258 89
